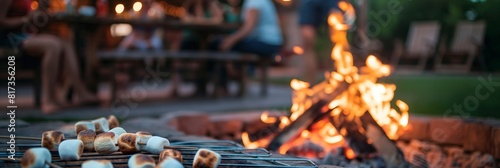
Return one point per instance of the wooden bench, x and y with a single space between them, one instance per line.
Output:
262 62
23 71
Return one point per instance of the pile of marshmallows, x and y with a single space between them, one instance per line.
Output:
105 137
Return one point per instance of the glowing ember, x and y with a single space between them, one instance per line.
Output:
349 154
264 117
363 94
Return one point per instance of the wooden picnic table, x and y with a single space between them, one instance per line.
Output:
94 31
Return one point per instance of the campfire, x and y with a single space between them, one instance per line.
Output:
349 108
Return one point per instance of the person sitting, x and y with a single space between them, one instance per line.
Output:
145 37
202 11
260 34
197 12
232 10
57 55
141 38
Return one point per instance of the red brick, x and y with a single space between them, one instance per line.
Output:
198 124
495 141
418 128
446 131
226 128
477 137
255 126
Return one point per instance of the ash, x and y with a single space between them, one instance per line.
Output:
420 154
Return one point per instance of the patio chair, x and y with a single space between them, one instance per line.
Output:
420 45
466 46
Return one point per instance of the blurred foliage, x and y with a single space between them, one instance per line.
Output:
447 12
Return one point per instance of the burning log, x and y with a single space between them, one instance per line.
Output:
366 137
354 134
384 146
293 130
316 112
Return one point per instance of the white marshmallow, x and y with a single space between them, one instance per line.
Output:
113 122
169 163
156 144
84 125
97 164
71 149
141 161
101 125
142 138
118 131
87 137
206 158
105 143
52 139
36 157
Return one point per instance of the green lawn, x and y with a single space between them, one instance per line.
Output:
432 94
436 94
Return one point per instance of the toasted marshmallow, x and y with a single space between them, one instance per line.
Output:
169 162
84 125
142 139
71 149
87 137
128 143
156 144
141 161
105 143
206 158
118 131
52 139
113 122
171 153
97 164
36 157
101 125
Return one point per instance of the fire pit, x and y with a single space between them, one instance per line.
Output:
348 109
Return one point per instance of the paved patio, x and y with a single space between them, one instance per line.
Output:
155 102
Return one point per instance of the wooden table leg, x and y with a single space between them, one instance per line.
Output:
264 65
92 61
202 81
114 84
242 79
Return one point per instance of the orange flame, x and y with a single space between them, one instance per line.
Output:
264 117
364 94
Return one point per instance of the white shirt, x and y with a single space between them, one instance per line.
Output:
267 28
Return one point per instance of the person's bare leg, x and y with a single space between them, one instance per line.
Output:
175 38
73 74
49 48
309 56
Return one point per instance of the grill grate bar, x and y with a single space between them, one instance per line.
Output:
232 155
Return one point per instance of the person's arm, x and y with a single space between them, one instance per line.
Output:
216 11
187 17
13 22
251 18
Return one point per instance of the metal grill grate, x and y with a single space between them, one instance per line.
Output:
232 155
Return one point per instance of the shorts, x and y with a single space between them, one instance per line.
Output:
316 12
